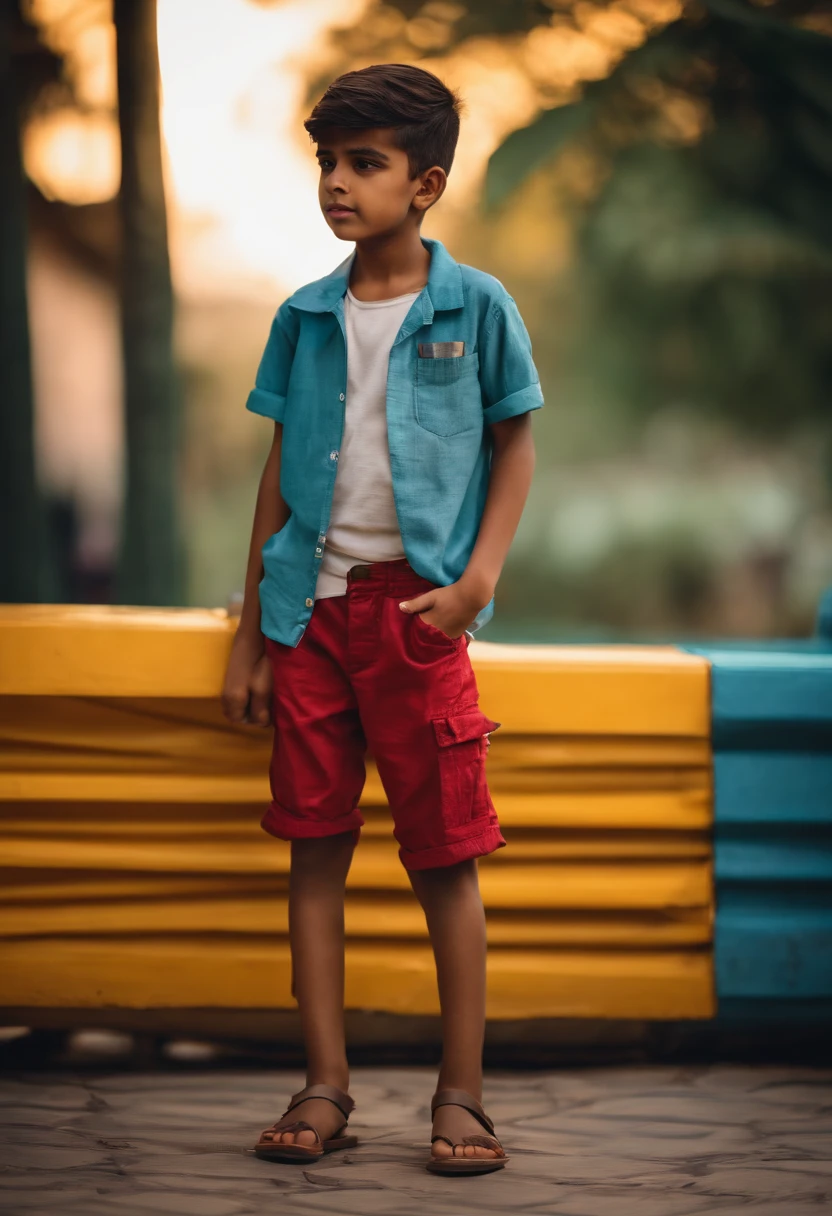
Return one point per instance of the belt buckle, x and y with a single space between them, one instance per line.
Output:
359 572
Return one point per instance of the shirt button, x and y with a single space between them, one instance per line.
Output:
318 552
341 397
333 455
309 603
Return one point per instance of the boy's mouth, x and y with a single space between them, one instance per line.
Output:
336 209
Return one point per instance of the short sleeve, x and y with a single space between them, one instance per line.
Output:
508 377
268 397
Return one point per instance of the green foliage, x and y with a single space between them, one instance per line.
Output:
763 85
705 268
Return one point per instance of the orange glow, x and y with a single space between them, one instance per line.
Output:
241 172
72 156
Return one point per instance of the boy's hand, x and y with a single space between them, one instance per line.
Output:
450 609
247 691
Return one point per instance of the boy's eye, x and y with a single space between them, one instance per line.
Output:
325 163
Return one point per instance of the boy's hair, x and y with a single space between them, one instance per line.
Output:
423 111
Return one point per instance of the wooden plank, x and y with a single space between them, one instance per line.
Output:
239 973
253 789
523 844
383 917
576 884
55 650
594 690
87 650
188 735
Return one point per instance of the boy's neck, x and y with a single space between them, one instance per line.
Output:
389 266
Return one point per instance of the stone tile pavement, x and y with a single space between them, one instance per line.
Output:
622 1141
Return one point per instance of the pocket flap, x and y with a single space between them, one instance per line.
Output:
462 725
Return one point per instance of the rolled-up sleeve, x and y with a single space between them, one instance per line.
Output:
268 397
509 380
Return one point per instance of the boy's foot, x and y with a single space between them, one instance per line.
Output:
318 1113
315 1123
462 1130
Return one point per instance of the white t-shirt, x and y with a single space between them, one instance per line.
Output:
363 526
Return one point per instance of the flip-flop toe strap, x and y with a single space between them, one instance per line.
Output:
298 1126
485 1142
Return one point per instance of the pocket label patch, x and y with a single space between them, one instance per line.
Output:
441 350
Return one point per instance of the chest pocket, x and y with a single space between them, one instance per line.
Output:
448 398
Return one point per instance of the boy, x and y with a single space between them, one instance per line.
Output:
411 377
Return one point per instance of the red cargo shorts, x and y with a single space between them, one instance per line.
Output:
365 674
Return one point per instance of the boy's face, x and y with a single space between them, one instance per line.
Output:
365 189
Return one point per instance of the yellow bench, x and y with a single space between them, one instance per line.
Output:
136 876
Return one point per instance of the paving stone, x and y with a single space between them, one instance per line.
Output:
51 1160
182 1202
634 1202
22 1201
637 1141
763 1182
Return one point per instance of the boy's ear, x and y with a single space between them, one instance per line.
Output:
433 182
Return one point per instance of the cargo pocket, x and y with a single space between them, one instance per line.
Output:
462 739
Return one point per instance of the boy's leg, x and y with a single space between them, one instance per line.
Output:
316 932
317 775
451 900
418 699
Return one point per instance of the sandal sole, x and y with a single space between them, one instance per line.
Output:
472 1165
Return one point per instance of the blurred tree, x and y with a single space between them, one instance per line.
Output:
706 267
151 567
25 573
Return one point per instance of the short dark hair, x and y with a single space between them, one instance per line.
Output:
423 111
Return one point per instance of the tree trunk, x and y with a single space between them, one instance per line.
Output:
24 566
151 564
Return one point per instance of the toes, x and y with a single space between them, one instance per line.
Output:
307 1138
441 1149
473 1150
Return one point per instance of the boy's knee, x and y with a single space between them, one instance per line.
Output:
444 878
316 851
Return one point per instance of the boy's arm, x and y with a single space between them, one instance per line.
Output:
246 694
510 392
512 467
452 609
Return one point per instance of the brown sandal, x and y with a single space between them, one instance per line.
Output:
466 1165
305 1152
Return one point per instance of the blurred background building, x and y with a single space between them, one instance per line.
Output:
649 178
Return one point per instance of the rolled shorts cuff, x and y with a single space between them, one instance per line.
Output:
281 823
487 841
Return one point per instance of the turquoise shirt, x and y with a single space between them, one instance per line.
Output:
438 416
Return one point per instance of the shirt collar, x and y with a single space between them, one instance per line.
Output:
444 285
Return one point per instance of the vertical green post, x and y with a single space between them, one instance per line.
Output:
151 560
24 562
